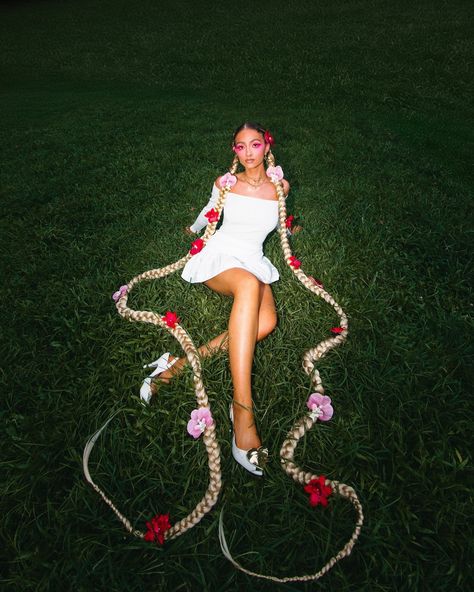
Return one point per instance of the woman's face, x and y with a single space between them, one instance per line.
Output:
250 147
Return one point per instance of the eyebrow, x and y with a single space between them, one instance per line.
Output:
254 140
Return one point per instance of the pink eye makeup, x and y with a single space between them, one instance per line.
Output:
257 145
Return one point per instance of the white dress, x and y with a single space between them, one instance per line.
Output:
238 242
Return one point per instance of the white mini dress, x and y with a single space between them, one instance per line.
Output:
238 242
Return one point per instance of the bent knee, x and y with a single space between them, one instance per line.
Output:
234 281
244 281
267 324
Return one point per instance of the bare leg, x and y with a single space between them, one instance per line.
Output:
253 314
208 349
243 326
252 318
266 323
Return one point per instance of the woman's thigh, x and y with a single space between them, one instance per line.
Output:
233 280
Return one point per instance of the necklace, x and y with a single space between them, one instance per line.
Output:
255 185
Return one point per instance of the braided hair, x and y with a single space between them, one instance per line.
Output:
299 428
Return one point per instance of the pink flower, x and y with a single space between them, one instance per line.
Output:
212 215
120 292
275 173
320 407
268 138
228 180
157 527
289 221
318 491
315 281
196 246
337 330
200 420
170 319
294 262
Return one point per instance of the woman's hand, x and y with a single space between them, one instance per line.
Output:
296 229
188 230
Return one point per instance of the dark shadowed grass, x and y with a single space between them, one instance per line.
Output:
115 121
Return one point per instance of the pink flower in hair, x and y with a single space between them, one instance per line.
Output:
196 246
269 139
228 180
120 292
212 215
337 330
320 407
200 420
275 173
289 221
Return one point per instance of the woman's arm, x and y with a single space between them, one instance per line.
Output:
201 220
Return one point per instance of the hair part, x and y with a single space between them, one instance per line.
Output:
249 125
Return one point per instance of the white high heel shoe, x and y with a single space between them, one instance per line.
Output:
160 365
253 459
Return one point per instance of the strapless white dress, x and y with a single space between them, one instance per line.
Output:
247 221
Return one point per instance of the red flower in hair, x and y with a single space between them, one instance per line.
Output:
294 262
289 221
337 330
170 319
157 527
212 215
269 139
318 491
196 246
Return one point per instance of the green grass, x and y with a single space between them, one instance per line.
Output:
115 119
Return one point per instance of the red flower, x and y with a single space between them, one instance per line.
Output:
212 215
315 281
170 319
294 262
196 246
337 330
318 491
289 221
269 139
157 527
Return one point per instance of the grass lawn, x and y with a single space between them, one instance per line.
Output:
115 118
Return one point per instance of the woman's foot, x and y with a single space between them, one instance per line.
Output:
245 430
253 457
166 376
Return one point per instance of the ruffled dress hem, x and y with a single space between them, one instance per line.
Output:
215 263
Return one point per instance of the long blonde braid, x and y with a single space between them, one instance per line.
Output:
209 436
305 423
299 429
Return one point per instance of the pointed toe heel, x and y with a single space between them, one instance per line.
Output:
159 365
254 459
